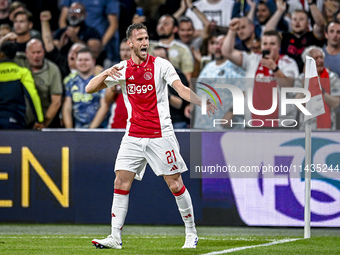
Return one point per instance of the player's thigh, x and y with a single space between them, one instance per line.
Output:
163 155
130 157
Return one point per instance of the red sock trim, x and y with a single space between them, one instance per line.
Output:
180 192
121 192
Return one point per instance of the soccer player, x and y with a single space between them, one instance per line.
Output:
149 136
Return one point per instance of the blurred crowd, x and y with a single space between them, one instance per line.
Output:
50 50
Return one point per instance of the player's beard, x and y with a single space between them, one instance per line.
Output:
137 53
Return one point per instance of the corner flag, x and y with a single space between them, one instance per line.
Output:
316 107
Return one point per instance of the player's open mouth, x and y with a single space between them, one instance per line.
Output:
143 50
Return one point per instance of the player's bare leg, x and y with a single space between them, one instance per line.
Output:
185 208
122 185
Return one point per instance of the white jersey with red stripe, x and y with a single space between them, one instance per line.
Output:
145 94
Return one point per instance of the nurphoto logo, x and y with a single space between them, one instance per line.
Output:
238 105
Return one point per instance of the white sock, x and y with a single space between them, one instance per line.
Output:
118 212
186 210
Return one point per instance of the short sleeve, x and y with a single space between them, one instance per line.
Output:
56 86
187 65
289 67
68 88
112 7
168 71
247 59
110 82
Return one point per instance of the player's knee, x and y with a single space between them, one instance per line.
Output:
175 186
120 183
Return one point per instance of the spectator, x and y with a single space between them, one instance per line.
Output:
332 48
176 103
246 34
14 86
294 43
272 71
179 54
15 7
4 12
186 33
329 9
22 27
114 96
77 31
67 64
47 79
218 11
188 24
4 30
102 15
81 110
220 71
330 85
205 54
71 61
264 11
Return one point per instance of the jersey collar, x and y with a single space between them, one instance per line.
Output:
143 64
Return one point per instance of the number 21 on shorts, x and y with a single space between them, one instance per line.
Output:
170 156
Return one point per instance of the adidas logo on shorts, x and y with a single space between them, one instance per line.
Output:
174 168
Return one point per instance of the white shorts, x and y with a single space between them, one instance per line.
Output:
162 154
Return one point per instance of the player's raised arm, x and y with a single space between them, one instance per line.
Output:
97 82
190 96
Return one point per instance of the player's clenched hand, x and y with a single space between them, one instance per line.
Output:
114 72
211 108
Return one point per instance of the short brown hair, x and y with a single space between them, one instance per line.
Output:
273 33
28 14
135 26
301 11
86 50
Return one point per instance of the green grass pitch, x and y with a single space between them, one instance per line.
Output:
76 239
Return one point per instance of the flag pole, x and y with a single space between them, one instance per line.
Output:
308 151
316 107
